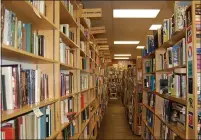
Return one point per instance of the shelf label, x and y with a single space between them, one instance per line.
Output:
37 112
92 13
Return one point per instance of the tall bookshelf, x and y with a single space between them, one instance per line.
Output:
137 115
170 99
75 108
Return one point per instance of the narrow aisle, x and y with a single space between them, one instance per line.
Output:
115 125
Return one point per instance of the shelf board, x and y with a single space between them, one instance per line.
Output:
9 114
85 90
177 36
66 17
18 54
150 108
68 41
84 125
54 135
173 98
149 56
150 73
66 97
82 53
169 97
67 67
84 71
84 23
150 129
63 126
82 36
171 69
173 127
29 14
82 109
75 4
75 137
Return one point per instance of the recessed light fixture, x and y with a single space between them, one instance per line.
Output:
140 47
122 54
135 13
155 26
121 57
126 42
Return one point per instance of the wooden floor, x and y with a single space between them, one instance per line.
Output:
115 124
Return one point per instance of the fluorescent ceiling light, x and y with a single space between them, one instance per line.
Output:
140 47
126 42
155 26
122 54
135 13
121 58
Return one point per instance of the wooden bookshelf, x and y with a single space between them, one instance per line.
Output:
149 128
49 25
66 17
29 14
137 104
172 98
67 67
173 127
10 114
191 110
174 39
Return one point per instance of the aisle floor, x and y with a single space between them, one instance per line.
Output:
115 124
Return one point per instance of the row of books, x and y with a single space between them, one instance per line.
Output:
169 27
39 5
22 86
174 56
84 82
29 126
66 54
173 84
83 63
150 82
150 65
69 6
20 35
166 133
64 28
67 83
174 113
66 110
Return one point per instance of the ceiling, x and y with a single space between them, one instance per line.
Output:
119 29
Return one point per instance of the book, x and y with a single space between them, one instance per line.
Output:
166 27
20 35
179 14
28 126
